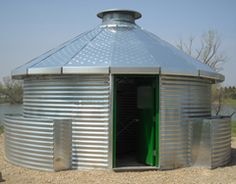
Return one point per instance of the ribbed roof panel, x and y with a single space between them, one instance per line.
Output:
116 47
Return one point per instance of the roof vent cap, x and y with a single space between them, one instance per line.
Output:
119 15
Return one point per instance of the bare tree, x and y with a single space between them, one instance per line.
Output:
217 98
208 51
11 90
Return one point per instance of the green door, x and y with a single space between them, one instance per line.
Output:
147 126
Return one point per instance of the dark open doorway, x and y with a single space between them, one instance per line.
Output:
135 121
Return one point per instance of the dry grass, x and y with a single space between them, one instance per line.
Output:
18 175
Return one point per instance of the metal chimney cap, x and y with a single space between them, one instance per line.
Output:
135 14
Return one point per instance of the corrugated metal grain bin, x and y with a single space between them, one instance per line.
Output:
114 97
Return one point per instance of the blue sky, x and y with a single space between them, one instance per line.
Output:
29 28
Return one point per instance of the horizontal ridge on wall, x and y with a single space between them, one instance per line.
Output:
29 142
181 100
221 142
85 99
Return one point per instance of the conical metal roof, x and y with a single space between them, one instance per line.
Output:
118 46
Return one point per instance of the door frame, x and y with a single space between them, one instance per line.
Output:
114 115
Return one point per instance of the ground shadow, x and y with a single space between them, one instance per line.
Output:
233 157
1 179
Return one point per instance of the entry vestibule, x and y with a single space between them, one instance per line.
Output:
136 109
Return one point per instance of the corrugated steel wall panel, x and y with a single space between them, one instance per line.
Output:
29 142
201 143
220 142
62 144
181 100
84 99
211 142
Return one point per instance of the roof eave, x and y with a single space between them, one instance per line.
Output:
212 75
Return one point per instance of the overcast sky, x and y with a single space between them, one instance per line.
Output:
29 28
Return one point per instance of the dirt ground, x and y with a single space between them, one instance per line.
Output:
18 175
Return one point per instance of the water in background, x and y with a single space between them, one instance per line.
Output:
9 109
228 110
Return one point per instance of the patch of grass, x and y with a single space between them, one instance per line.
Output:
229 101
233 128
1 130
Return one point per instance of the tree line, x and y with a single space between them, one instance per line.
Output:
229 92
11 91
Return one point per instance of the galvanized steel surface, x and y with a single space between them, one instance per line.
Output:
62 144
119 15
220 141
181 100
201 143
211 142
84 99
38 143
29 142
118 46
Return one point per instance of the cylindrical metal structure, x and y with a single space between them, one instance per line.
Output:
69 115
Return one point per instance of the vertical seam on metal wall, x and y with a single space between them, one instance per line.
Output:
85 100
181 99
110 157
